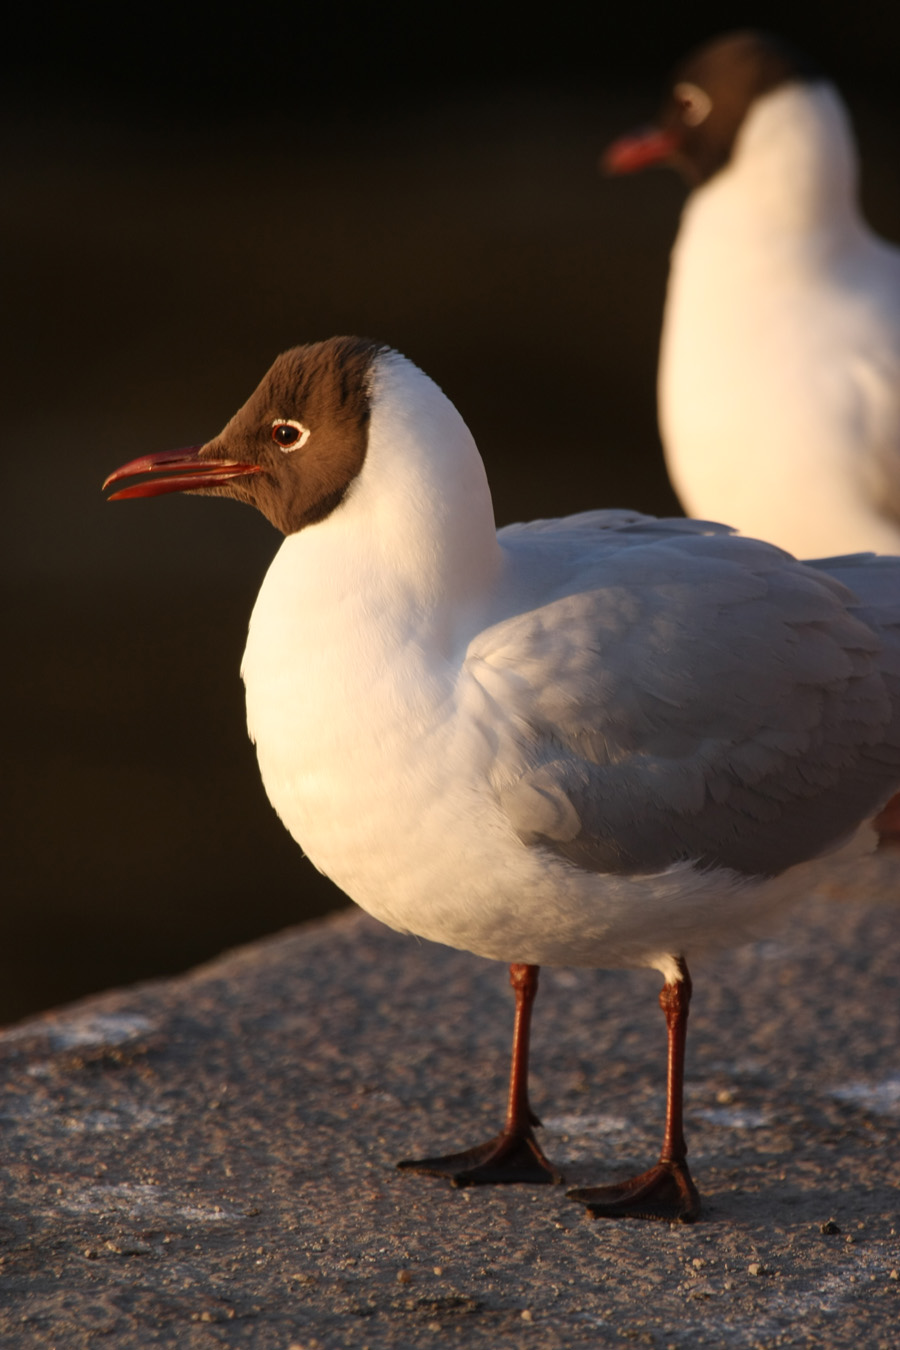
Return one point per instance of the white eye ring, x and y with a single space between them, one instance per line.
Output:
303 434
695 103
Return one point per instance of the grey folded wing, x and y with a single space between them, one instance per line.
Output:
685 695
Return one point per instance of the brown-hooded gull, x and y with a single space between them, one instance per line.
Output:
607 740
779 371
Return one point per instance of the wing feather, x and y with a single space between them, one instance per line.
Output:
689 694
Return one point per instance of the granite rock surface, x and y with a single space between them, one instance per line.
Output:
209 1160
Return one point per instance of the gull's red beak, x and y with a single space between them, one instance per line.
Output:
183 471
639 149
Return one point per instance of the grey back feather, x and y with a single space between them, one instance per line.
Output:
684 693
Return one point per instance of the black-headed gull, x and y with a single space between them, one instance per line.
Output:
779 373
607 740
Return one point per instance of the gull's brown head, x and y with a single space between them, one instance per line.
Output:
705 102
293 450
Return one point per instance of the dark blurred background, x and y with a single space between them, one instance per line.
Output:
189 191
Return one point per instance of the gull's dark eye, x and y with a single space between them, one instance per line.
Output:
288 434
694 102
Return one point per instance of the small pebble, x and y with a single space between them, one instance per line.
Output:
439 1270
527 1315
894 1275
829 1226
755 1268
404 1277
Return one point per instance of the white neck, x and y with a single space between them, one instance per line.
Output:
404 564
361 623
792 174
420 516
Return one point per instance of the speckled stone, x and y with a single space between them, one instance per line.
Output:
209 1160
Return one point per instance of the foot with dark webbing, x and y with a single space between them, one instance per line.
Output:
514 1154
666 1191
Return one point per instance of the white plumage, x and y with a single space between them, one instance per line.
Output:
600 741
451 722
779 373
779 378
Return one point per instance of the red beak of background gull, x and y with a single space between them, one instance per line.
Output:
637 150
184 471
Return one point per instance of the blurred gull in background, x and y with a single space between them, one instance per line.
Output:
779 375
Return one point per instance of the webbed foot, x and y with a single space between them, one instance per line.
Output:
508 1157
665 1192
